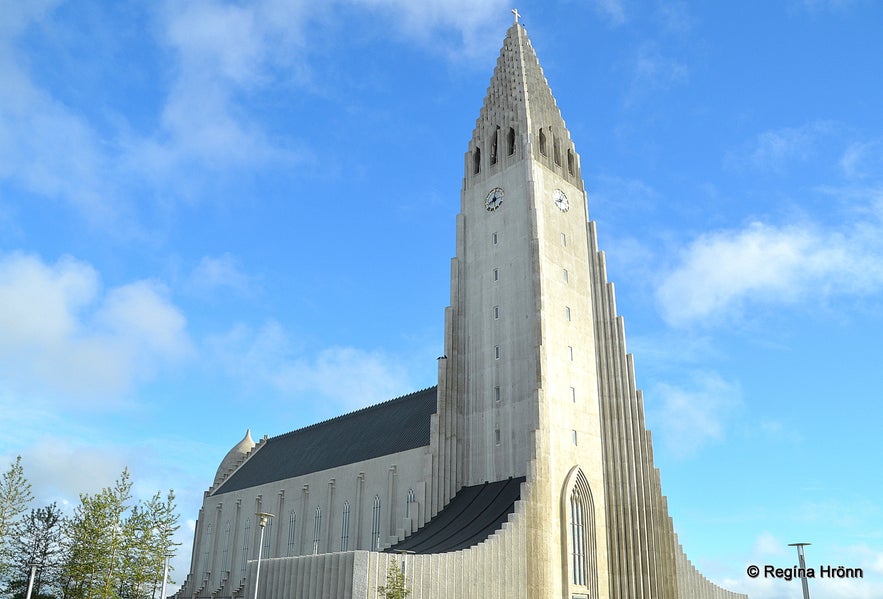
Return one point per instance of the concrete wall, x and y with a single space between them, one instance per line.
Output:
227 533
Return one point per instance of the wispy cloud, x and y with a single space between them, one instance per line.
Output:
216 54
719 275
219 272
61 330
613 11
687 418
675 16
777 149
457 27
863 160
347 378
653 72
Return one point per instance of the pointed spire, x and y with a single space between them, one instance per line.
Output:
519 98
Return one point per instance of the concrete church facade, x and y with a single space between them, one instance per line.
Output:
527 471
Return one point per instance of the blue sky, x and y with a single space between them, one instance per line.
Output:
219 215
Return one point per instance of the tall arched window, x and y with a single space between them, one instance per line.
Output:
476 161
542 143
292 527
571 166
510 141
225 551
375 524
578 513
207 545
317 528
245 543
268 532
345 527
577 539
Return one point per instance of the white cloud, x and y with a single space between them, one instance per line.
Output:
346 377
430 23
613 11
720 275
776 149
685 419
653 72
675 16
219 54
218 272
863 160
59 331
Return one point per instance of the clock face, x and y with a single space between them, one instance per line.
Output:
560 200
494 199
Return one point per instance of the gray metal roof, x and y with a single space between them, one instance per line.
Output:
473 515
389 427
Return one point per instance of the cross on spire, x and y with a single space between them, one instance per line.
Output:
516 13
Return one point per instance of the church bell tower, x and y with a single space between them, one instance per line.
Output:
518 389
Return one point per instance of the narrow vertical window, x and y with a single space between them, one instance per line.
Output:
573 436
566 276
247 537
317 528
511 141
496 352
581 537
567 313
207 543
496 312
556 146
476 161
570 163
345 527
496 274
375 524
577 538
292 525
225 554
542 143
496 436
494 238
564 239
497 393
267 534
570 351
494 147
573 394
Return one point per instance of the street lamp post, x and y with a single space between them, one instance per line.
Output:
165 577
31 578
264 519
802 562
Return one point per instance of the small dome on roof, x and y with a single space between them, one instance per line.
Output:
234 457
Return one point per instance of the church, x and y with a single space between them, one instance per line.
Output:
527 471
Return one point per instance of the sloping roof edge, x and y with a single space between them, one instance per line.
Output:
395 425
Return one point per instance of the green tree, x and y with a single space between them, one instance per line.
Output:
39 541
148 532
395 587
116 548
15 496
96 542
